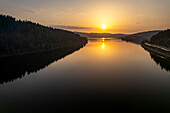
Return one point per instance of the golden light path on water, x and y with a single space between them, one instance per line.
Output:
108 48
103 45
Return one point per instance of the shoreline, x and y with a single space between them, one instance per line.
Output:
156 49
47 50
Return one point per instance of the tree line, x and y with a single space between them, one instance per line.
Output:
22 37
162 38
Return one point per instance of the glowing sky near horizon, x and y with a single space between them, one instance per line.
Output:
120 16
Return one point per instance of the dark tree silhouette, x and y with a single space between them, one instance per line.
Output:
162 38
163 62
14 67
23 37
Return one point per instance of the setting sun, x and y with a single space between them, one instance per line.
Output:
104 26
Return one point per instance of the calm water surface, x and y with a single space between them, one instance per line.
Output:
105 73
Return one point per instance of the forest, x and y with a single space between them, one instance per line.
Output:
162 38
24 37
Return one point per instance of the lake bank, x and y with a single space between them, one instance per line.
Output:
46 50
157 49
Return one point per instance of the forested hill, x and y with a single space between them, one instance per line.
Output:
22 37
138 38
162 39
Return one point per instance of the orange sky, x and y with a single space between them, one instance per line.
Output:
120 16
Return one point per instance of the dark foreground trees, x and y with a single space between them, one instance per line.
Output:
22 37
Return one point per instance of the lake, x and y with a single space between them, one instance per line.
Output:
105 74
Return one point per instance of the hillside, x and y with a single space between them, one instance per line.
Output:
134 38
23 37
139 37
161 39
159 44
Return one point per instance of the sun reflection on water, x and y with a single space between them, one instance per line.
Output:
103 39
103 46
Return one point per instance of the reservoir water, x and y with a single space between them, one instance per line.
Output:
105 74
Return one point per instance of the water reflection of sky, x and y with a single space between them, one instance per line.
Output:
104 67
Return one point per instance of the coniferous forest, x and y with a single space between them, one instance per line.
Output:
23 37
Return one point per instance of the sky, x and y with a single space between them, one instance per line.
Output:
120 16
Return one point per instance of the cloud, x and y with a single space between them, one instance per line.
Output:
137 22
30 10
148 21
69 27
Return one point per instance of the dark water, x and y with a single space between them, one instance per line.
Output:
107 74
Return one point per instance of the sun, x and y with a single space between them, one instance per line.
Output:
104 26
